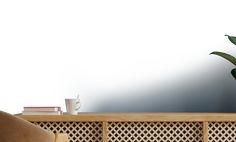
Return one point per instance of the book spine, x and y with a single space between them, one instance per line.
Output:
41 113
42 109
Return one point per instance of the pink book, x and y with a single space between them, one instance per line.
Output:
41 113
42 108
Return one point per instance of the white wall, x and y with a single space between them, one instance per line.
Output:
124 55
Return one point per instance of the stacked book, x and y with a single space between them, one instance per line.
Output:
47 110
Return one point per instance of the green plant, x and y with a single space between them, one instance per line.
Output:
228 57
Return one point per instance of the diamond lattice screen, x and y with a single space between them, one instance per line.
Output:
155 132
77 131
222 132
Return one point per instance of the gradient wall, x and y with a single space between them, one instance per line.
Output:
125 55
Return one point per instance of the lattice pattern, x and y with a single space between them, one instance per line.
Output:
155 132
222 132
77 131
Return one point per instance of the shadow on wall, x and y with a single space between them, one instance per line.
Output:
198 91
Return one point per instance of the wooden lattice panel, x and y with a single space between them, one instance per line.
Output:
77 131
155 132
222 132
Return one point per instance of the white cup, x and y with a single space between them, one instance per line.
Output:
72 106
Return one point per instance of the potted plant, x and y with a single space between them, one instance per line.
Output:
228 57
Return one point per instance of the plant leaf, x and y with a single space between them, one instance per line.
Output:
233 72
226 56
232 39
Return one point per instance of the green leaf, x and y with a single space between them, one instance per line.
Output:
233 72
232 39
226 56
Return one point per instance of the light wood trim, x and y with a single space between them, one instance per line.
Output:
104 132
205 131
136 117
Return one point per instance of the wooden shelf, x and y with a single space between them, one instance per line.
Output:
136 117
141 127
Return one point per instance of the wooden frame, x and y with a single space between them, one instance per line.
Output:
127 127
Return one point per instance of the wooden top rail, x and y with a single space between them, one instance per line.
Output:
135 117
